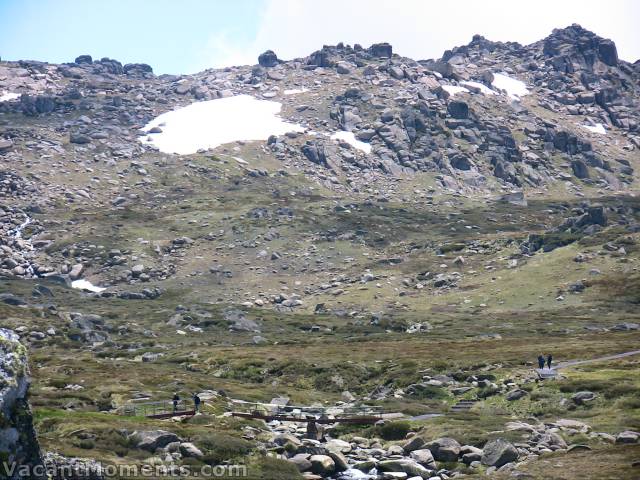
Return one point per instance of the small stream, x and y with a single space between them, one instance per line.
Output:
17 233
26 246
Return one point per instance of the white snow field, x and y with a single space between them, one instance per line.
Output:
453 89
597 128
351 139
208 124
5 97
514 88
480 86
86 285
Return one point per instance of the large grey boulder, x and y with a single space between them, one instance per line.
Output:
188 449
239 323
408 466
470 454
498 452
301 461
339 460
79 138
628 436
83 59
414 443
18 441
445 449
382 50
424 457
268 59
458 109
322 465
580 168
582 398
152 439
285 438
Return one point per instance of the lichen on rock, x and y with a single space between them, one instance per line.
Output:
19 449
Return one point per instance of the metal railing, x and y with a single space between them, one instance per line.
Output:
152 409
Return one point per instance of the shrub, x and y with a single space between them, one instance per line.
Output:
394 430
86 444
430 392
275 469
540 394
488 392
219 447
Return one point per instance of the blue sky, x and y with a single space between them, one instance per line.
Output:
170 35
186 36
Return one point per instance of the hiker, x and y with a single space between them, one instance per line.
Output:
549 360
540 362
176 399
196 402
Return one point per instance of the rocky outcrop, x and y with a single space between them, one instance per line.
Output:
499 452
268 59
18 443
152 439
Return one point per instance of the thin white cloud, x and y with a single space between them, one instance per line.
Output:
422 29
224 49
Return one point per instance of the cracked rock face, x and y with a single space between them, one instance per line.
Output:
18 443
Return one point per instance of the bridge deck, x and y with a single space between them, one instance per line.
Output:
321 415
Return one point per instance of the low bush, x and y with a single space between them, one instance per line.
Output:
220 447
394 430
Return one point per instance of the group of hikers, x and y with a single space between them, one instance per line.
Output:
196 402
541 361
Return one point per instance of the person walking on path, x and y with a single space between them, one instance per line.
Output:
196 402
176 399
540 362
549 360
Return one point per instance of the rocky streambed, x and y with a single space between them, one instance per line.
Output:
417 456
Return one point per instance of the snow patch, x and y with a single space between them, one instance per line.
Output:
294 91
480 86
5 97
514 88
209 124
83 284
350 138
453 89
597 128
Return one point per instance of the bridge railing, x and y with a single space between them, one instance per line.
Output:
147 409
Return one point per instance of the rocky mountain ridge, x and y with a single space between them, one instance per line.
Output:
575 129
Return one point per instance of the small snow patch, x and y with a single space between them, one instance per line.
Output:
294 91
5 97
514 88
480 86
350 138
209 124
597 128
453 89
86 285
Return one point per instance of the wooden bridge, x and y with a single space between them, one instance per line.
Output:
159 410
364 414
